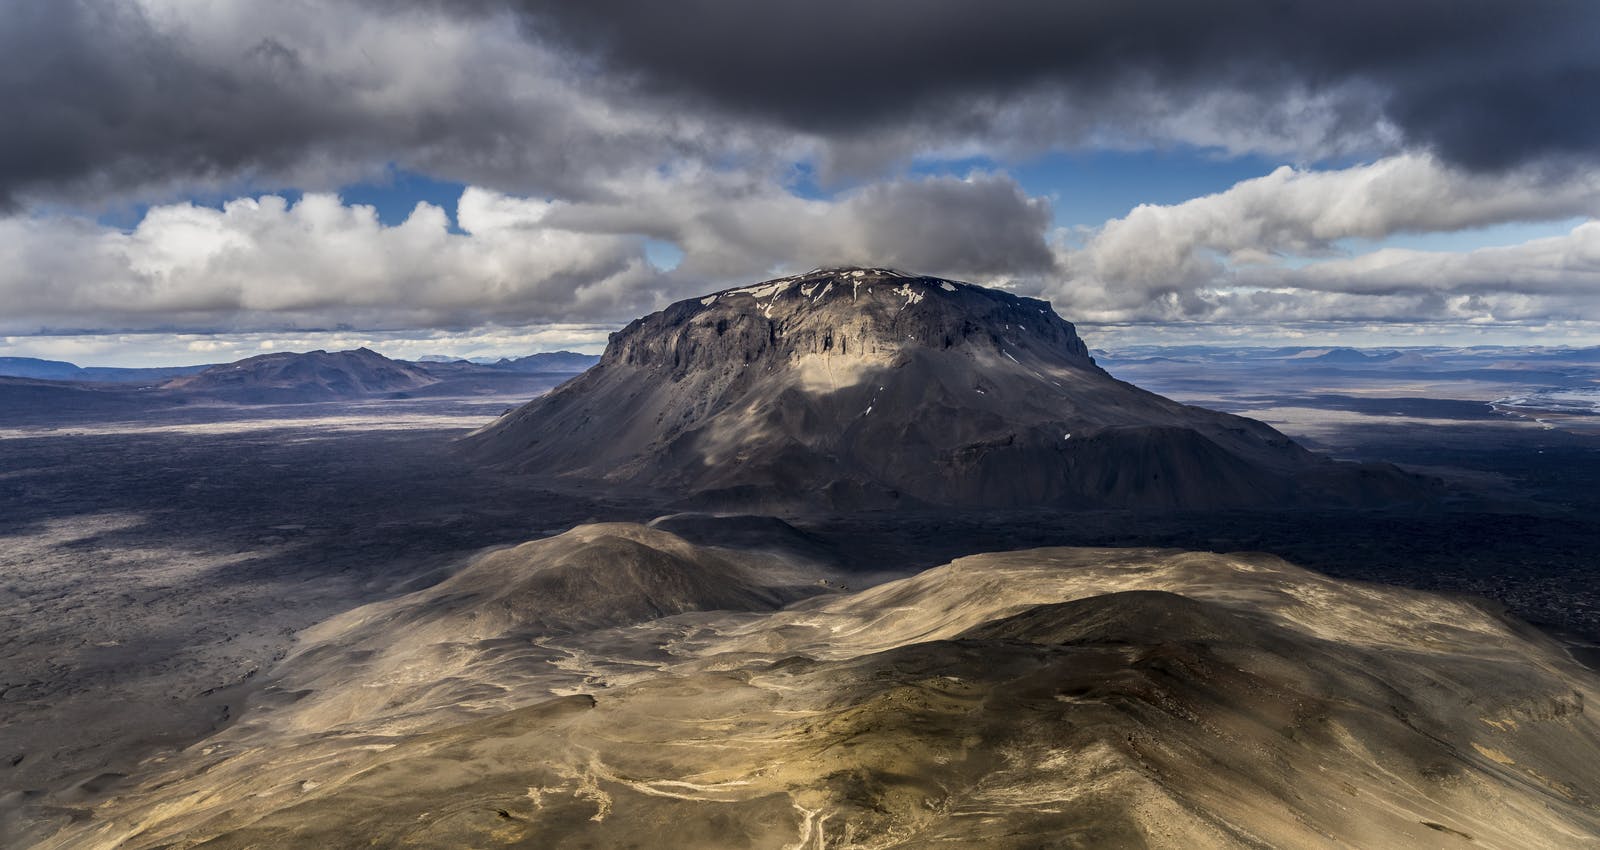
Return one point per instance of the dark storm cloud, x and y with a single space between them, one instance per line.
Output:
1486 83
92 90
108 96
163 97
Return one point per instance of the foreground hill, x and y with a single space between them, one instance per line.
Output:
616 686
870 387
313 376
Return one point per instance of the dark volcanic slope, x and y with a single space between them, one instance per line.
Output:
852 387
313 376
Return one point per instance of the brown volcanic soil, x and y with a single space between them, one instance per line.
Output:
1042 698
871 388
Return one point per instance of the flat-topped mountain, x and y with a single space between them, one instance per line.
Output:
872 387
312 376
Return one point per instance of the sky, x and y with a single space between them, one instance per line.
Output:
189 181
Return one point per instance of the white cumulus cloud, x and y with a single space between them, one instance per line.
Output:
1270 248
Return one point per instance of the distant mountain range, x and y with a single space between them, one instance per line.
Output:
60 370
36 390
1442 357
549 361
552 361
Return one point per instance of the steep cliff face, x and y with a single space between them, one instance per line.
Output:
850 314
870 387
